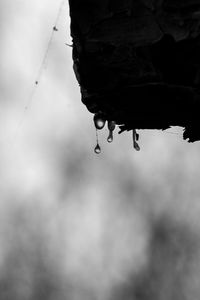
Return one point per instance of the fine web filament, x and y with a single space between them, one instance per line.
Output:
41 68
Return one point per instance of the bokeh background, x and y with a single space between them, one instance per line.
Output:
75 225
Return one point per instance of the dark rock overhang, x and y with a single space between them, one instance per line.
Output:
138 62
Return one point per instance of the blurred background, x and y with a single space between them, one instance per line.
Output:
75 225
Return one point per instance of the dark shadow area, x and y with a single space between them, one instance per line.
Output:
138 63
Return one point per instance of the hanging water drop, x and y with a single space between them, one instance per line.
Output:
111 125
111 128
136 146
135 139
99 121
97 149
110 137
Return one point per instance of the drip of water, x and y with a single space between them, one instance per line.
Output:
135 139
136 146
99 121
111 125
110 137
97 149
111 128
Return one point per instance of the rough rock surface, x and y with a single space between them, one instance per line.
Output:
138 61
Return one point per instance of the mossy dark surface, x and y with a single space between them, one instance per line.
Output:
138 62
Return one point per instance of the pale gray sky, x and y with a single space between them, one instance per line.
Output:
78 222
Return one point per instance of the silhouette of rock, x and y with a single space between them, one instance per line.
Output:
138 62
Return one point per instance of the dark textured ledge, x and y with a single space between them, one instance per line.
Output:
138 62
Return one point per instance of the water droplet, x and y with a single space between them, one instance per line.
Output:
135 138
97 149
110 137
111 128
136 146
99 121
111 125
